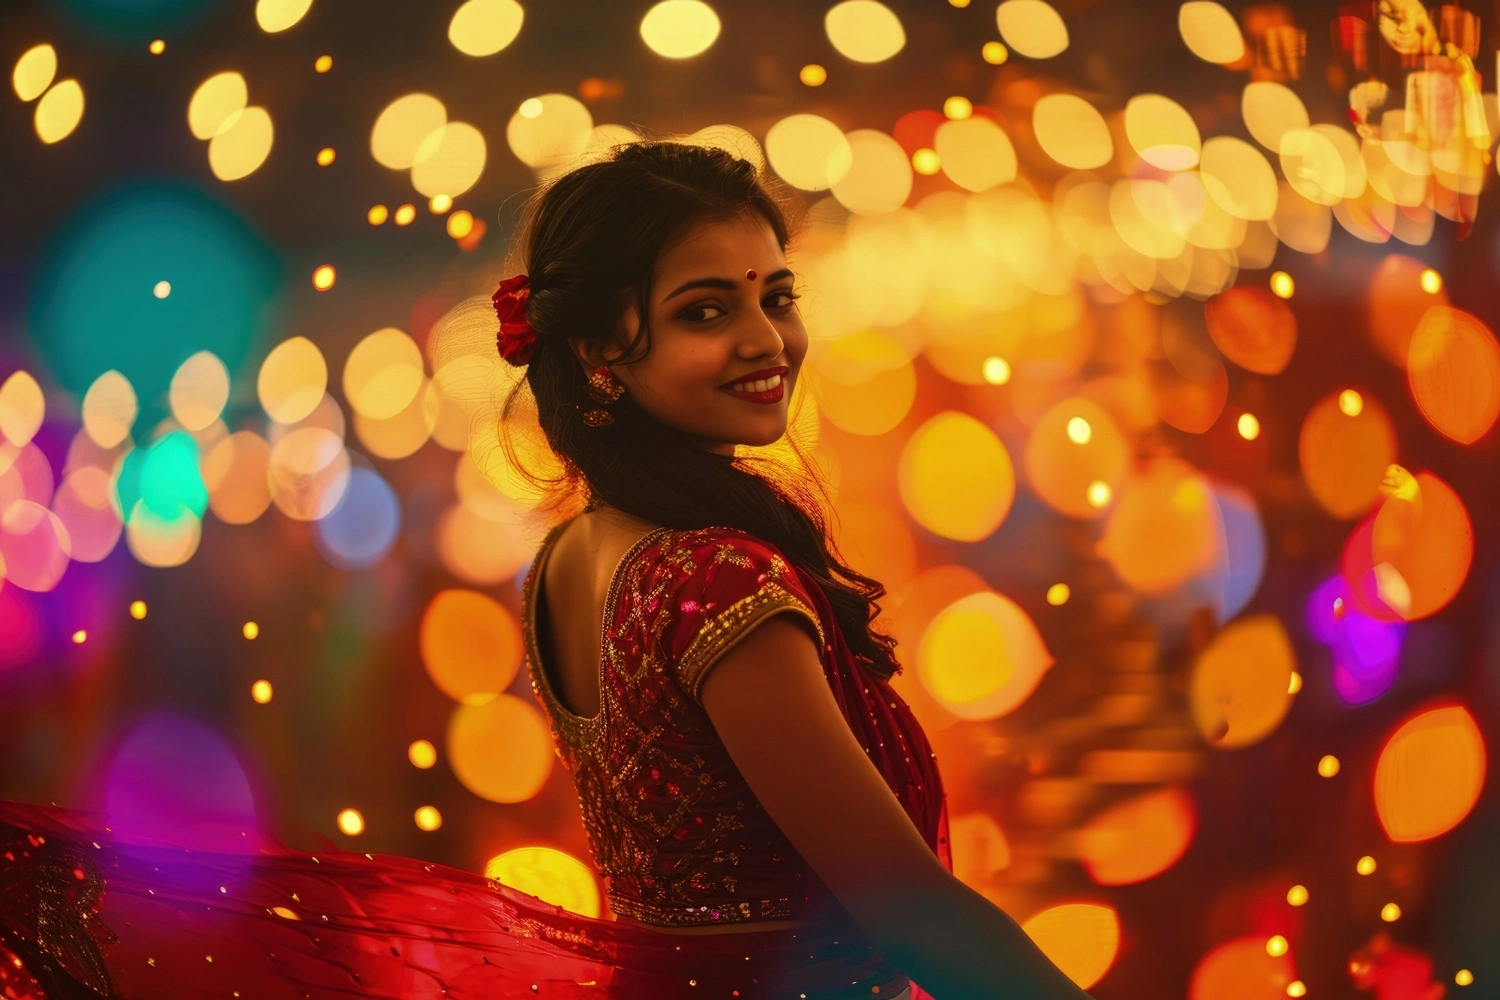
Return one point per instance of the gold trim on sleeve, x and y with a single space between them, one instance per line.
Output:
722 632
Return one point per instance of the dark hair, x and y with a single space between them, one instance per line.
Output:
589 239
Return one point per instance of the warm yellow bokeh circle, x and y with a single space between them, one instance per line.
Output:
502 750
550 875
956 478
982 656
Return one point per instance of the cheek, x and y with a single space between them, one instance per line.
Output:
795 339
685 373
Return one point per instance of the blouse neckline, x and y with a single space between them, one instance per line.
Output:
578 727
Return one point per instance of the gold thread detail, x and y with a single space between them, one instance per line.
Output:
722 632
730 911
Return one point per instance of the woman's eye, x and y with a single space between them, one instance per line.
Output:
689 314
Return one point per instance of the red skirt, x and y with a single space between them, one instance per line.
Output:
83 915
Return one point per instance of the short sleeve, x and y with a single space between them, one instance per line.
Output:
725 583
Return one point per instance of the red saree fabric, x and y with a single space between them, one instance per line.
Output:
85 914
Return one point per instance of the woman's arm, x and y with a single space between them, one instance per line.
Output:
769 702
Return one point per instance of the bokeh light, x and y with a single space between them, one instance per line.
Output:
1429 774
501 750
809 151
548 874
363 525
1453 368
1409 558
1242 969
981 656
1082 939
59 111
484 27
279 15
34 72
956 478
1032 27
422 754
1240 685
471 645
680 29
1138 838
864 30
1345 446
1210 32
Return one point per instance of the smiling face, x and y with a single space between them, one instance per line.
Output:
713 326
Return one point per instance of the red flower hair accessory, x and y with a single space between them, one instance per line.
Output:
517 340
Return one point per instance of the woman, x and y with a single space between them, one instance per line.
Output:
766 811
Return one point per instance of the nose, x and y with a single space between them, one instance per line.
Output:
761 339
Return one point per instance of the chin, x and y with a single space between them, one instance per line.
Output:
760 440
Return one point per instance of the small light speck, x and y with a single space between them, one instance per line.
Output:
996 370
958 108
162 289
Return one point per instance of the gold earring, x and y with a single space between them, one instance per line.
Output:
596 417
603 386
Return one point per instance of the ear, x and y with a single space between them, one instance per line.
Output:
589 352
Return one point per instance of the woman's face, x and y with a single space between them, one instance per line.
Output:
713 326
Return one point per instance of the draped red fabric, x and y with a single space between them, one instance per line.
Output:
84 913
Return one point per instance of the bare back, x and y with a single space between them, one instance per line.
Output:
575 582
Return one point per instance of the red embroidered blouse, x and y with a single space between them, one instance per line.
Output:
677 834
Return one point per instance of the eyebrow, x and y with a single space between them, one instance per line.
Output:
728 284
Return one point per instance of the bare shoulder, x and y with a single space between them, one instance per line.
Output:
596 540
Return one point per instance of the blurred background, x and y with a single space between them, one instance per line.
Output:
1152 372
